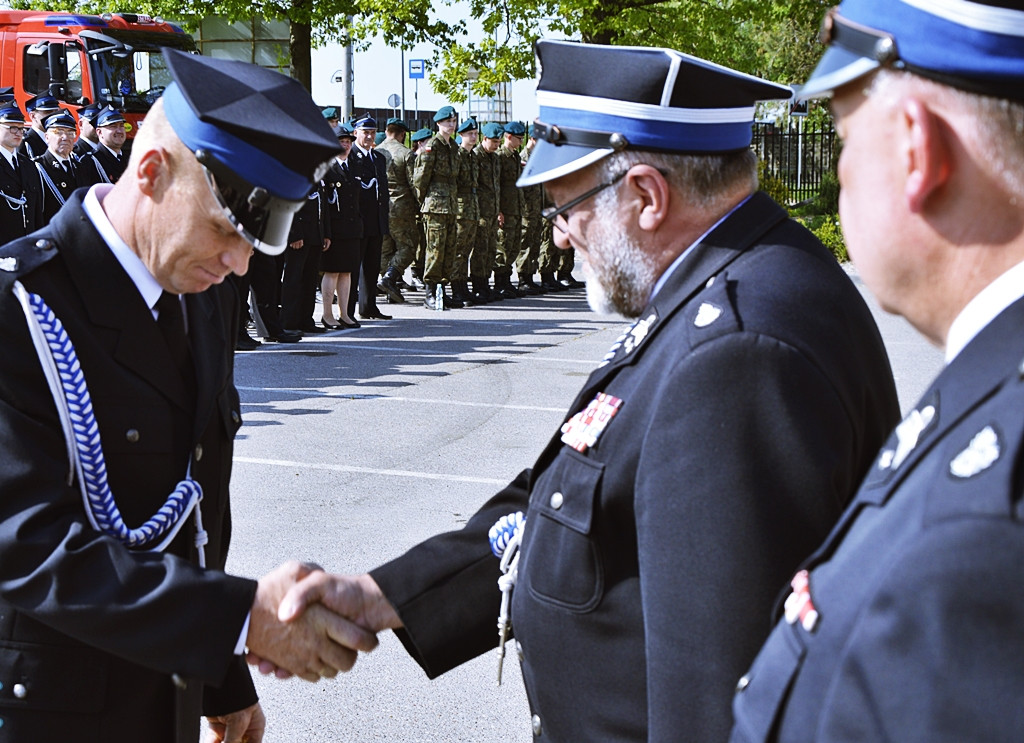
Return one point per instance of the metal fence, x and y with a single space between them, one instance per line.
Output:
798 153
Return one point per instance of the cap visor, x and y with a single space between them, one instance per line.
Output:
550 161
836 68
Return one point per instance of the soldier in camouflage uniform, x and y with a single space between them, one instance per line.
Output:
435 180
467 212
488 195
529 253
399 249
510 235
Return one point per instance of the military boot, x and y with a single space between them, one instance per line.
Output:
428 296
481 294
504 286
450 302
548 282
390 283
461 292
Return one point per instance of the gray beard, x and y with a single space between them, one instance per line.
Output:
622 281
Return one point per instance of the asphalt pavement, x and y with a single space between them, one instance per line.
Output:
360 443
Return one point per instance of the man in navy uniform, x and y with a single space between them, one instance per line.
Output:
39 108
21 196
88 140
720 437
115 616
906 624
371 171
108 160
61 174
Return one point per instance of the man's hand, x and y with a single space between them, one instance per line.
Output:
245 726
327 243
316 645
295 245
357 597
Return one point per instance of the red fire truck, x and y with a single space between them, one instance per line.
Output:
114 58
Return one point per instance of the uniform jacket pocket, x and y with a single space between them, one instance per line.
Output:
562 564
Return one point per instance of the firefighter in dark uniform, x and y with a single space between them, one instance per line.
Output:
107 162
39 108
21 195
905 625
714 445
118 411
60 173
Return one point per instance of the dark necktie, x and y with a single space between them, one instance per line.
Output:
171 322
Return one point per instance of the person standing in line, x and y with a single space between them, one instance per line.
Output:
511 209
488 193
21 194
399 247
436 182
343 234
467 212
370 171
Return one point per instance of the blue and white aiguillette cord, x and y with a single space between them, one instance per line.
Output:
505 537
85 451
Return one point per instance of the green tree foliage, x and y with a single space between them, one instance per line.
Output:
770 38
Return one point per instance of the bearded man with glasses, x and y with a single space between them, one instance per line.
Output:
715 443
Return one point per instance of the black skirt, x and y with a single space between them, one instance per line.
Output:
341 257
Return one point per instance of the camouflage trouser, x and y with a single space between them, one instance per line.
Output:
442 231
509 245
464 242
481 260
399 249
550 258
526 265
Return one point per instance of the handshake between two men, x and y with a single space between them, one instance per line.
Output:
308 623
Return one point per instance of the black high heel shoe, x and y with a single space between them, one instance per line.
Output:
328 326
349 325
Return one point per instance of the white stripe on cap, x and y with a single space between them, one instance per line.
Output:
1005 21
670 79
649 111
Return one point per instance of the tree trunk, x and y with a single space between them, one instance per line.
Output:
300 46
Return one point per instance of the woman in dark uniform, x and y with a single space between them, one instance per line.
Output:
340 198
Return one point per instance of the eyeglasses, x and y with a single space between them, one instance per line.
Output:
550 212
13 128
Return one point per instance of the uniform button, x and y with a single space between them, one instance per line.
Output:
711 283
132 434
743 683
556 500
235 417
536 725
42 244
20 692
199 452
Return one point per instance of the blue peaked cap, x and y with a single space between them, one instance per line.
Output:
973 46
644 98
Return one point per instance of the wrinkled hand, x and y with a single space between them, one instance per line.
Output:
356 597
316 645
244 726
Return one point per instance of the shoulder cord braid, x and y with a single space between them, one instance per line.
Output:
85 451
49 182
505 536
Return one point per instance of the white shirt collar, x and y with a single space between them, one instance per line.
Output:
130 262
983 309
682 256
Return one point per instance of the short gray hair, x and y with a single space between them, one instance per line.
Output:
703 179
995 126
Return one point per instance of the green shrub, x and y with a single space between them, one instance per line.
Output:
771 185
826 228
827 200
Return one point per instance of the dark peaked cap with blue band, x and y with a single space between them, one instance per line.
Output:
260 138
974 46
595 100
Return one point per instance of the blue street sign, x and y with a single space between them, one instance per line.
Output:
417 69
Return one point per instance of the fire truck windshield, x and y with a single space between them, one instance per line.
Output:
129 70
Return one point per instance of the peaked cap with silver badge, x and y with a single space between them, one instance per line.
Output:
595 100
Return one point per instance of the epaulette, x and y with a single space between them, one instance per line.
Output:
24 255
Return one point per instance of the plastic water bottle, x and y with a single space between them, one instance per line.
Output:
439 298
